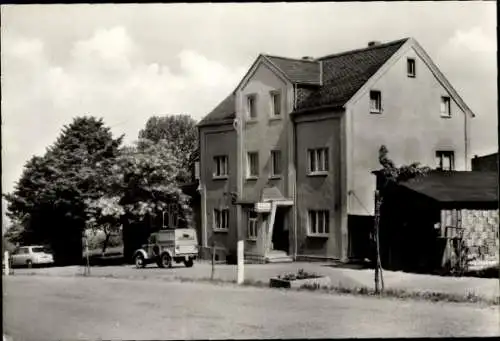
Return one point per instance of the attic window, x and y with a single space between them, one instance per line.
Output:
275 103
445 106
375 102
410 67
252 113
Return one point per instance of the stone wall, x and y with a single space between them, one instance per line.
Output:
481 233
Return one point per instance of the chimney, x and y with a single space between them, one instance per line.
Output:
373 43
309 58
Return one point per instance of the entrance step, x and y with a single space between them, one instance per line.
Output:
278 257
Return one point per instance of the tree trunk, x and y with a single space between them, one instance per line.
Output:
105 242
378 264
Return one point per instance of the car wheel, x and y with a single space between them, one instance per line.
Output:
29 264
189 263
139 261
165 261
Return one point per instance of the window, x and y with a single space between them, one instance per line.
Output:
445 106
375 102
170 217
318 160
252 164
220 166
410 67
252 113
318 224
275 163
252 225
445 160
276 103
221 219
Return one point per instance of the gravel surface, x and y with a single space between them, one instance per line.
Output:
484 287
49 308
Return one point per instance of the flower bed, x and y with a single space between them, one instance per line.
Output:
298 280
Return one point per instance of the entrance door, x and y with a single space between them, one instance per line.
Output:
280 238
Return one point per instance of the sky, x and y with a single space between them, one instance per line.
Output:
128 62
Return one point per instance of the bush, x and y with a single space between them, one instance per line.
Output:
301 274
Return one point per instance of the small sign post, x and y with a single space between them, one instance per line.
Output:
241 262
6 263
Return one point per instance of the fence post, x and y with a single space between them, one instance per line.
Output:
87 267
6 262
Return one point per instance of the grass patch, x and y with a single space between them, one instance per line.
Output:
432 296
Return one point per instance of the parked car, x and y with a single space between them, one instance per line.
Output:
167 246
31 255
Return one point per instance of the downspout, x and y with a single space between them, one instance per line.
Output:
466 142
203 191
294 208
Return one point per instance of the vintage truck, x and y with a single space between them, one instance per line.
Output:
167 246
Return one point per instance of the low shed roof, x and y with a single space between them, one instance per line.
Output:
458 188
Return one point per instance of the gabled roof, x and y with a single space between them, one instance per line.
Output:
330 81
299 71
224 112
457 188
345 73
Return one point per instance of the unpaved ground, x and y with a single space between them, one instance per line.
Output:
50 308
484 287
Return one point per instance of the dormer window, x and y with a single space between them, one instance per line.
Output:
410 67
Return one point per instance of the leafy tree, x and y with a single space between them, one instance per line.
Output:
181 132
53 190
392 174
143 185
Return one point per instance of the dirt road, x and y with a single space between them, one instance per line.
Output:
49 308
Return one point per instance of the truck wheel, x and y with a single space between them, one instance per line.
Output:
139 261
165 261
29 264
189 263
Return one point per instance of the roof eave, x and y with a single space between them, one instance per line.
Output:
318 108
215 123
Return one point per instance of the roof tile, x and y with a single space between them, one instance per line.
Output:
298 70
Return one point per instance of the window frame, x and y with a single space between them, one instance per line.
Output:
314 153
379 109
441 154
249 174
316 214
252 225
217 171
411 67
273 94
276 153
218 219
251 108
446 101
